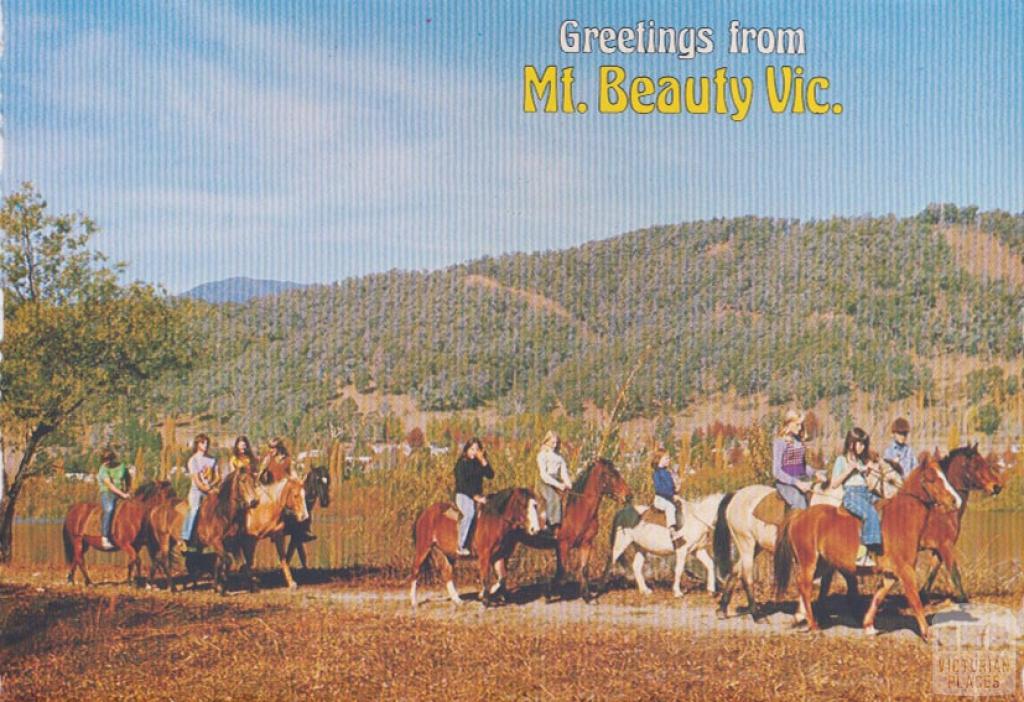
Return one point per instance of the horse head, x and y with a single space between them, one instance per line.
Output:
293 500
612 484
967 469
244 489
521 511
935 485
318 487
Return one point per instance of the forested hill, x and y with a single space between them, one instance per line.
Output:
797 310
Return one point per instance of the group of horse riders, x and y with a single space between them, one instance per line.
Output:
473 467
861 474
205 478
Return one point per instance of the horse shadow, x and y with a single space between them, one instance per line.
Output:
837 611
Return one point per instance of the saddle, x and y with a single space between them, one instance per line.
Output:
771 509
94 522
656 517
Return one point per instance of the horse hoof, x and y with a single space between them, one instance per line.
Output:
293 586
870 631
721 614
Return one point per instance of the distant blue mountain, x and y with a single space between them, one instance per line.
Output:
239 289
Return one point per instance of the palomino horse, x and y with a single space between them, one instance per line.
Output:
737 523
82 528
833 535
435 534
317 486
579 521
966 470
630 530
279 503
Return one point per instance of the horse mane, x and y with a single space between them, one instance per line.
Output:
147 489
580 484
497 502
965 451
224 495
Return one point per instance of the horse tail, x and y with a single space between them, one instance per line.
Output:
723 539
69 549
783 557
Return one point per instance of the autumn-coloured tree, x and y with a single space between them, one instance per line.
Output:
415 438
76 339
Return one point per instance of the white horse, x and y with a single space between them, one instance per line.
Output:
736 524
697 520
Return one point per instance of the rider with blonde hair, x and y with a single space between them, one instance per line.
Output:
554 478
789 462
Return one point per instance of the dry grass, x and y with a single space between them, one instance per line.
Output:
70 644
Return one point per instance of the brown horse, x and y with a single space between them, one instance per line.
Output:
833 535
219 519
163 526
82 528
579 522
966 470
279 504
435 534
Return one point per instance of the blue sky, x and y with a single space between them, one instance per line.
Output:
325 141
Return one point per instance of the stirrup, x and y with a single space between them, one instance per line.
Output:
463 552
864 558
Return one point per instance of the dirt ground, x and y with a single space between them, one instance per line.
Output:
353 635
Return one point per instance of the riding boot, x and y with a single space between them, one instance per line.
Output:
307 535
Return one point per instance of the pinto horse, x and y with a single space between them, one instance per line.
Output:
435 535
279 503
579 522
82 528
317 486
631 533
833 535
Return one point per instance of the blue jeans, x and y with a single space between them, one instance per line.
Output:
792 495
468 508
195 498
109 501
860 501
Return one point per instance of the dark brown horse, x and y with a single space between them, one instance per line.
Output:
966 470
579 522
435 535
832 534
318 489
82 528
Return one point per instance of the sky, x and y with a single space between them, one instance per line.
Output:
319 141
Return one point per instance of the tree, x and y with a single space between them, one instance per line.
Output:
77 342
987 420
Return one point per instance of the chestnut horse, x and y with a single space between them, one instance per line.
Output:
219 519
579 522
966 470
82 528
833 534
435 534
279 503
